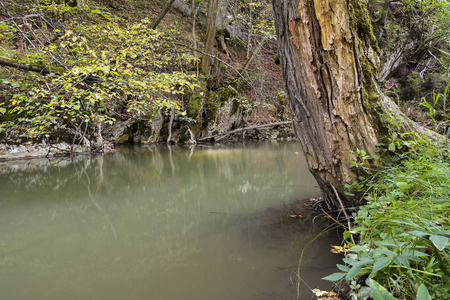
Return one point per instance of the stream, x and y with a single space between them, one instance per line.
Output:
158 222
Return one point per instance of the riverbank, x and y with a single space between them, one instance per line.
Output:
404 229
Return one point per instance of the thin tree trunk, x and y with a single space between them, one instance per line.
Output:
169 138
382 22
194 18
254 54
162 14
213 6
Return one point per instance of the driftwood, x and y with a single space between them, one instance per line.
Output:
244 129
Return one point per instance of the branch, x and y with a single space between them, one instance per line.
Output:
257 50
44 70
222 61
244 129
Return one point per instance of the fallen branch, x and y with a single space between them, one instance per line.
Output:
244 129
44 70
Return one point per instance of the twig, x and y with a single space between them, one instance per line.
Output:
345 212
222 61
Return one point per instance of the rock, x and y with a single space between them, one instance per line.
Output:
60 143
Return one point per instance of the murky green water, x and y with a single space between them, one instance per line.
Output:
156 223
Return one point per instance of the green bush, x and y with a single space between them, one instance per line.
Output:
404 230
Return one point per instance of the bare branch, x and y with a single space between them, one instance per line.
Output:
245 129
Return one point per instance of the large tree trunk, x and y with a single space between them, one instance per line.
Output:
329 62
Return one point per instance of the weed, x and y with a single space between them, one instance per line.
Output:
404 250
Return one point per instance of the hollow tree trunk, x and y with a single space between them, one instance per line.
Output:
329 62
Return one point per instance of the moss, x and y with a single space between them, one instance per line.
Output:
370 94
226 93
196 129
360 21
194 104
211 106
276 59
222 33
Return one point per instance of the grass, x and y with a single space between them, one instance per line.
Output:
404 230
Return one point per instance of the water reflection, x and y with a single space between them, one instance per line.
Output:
153 222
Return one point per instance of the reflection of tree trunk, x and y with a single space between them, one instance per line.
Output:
172 115
100 172
172 165
213 6
329 63
191 152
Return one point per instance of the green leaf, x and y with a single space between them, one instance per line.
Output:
342 267
417 233
379 292
353 273
422 293
385 252
358 249
439 241
334 276
380 264
391 147
402 260
403 186
350 261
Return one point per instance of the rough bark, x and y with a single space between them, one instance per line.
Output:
213 6
329 62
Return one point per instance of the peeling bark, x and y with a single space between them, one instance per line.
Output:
329 60
331 88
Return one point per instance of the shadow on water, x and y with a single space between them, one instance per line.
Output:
151 222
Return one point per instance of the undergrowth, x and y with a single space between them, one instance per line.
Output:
404 230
